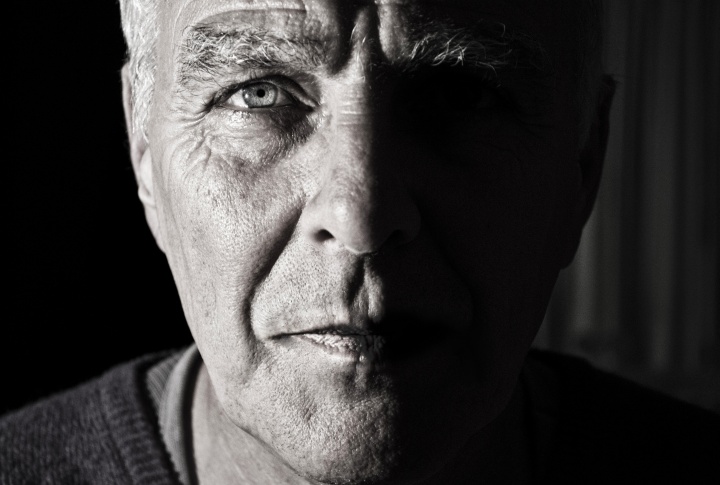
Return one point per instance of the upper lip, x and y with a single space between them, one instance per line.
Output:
405 327
365 329
401 336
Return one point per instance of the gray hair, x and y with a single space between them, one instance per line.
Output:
140 28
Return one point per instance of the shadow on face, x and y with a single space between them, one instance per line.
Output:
365 208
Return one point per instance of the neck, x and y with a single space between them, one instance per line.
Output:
224 452
500 453
227 454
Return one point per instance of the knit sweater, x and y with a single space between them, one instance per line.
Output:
589 426
102 432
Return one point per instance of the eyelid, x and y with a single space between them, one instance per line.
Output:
289 86
237 100
483 73
488 78
483 77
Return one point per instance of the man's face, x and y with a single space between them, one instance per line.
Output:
362 206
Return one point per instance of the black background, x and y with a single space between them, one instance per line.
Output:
86 287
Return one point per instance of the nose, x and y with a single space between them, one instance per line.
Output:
363 204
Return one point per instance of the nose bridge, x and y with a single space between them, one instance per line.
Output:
352 190
361 204
354 147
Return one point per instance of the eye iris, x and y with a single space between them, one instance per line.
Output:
463 96
260 95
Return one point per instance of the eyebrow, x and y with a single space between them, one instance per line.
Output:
208 50
486 45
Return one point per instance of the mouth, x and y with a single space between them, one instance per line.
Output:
359 343
359 347
365 343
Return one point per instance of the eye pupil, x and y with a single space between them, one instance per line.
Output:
260 95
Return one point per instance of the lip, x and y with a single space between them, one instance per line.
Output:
357 347
370 343
359 342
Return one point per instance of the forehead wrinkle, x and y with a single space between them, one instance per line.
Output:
413 37
191 11
407 41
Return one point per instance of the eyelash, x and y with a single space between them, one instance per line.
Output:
227 92
426 81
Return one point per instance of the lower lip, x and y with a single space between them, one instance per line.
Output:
362 348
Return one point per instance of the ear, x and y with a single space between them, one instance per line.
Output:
590 161
141 158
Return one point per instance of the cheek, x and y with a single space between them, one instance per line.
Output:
224 216
503 201
502 198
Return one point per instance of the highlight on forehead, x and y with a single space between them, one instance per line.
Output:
208 50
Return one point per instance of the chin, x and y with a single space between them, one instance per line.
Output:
361 449
363 464
347 475
377 444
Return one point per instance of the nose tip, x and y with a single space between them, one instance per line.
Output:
362 218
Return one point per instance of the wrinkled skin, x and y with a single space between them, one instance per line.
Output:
373 201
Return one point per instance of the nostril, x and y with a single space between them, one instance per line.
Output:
396 238
323 235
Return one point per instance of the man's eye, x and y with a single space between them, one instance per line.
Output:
448 92
464 96
258 95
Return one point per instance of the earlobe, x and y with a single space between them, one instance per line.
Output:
592 155
141 158
144 177
590 164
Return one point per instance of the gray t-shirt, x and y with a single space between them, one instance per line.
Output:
171 383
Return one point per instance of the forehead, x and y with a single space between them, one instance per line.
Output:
333 22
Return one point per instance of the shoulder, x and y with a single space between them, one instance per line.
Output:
102 431
613 429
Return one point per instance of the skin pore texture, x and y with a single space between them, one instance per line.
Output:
364 207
